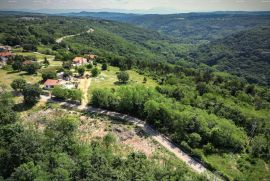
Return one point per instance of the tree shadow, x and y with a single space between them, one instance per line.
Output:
13 72
120 83
20 107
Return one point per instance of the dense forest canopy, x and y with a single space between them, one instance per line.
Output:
190 27
245 54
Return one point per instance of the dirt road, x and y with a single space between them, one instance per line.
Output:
59 40
164 141
84 87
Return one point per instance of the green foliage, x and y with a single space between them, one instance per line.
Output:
104 66
29 48
18 84
241 54
81 70
31 94
95 72
57 154
46 61
48 75
66 94
109 139
31 68
123 77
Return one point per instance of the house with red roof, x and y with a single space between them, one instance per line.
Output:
51 83
4 56
78 61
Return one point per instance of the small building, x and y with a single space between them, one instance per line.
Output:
5 48
78 61
91 58
4 56
51 83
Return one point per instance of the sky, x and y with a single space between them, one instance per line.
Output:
158 6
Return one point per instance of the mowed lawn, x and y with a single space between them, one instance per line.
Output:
6 77
108 79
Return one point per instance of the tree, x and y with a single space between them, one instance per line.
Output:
29 47
75 94
18 84
178 94
123 77
81 70
46 62
48 75
60 93
194 139
17 65
144 80
67 65
202 88
260 146
95 71
89 66
31 94
104 66
31 68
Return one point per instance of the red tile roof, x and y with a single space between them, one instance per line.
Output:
5 54
92 56
51 82
80 60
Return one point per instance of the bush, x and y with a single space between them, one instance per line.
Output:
48 75
29 48
66 94
123 77
95 71
104 66
81 70
194 139
89 66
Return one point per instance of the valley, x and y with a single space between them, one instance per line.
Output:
100 96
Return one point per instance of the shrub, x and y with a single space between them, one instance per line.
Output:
104 66
123 77
95 71
48 75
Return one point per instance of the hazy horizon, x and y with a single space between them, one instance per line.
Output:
137 6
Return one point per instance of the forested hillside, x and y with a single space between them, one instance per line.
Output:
216 117
190 27
245 54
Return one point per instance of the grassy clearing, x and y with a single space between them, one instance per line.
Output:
236 166
8 76
40 57
108 79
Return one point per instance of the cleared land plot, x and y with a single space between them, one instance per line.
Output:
6 77
40 57
108 79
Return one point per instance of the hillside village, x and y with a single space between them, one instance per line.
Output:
70 80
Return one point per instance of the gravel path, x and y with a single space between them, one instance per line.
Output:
59 40
164 141
196 166
84 87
